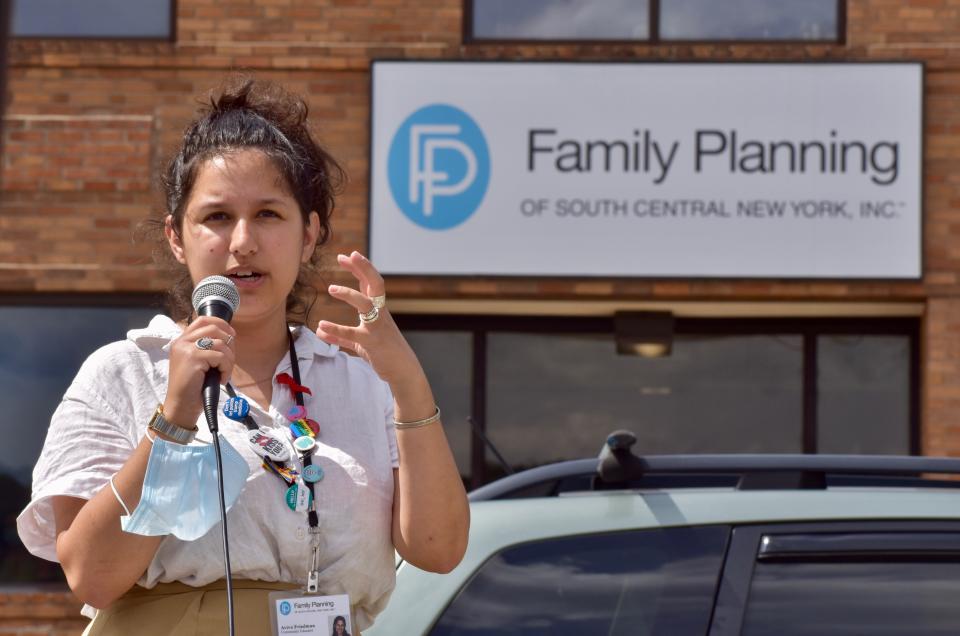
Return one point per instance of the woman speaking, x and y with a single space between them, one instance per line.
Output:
330 461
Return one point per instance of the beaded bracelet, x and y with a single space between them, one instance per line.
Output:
418 423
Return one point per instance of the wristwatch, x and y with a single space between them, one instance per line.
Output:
179 434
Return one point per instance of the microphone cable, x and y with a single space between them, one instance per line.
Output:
217 296
210 412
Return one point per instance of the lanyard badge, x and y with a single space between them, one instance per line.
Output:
309 615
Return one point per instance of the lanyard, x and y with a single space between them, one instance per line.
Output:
286 474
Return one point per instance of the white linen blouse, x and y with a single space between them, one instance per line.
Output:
104 414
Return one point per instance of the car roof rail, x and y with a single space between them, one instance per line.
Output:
618 467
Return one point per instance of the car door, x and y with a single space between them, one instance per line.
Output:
841 579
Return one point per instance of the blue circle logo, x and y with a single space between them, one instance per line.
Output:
438 167
285 608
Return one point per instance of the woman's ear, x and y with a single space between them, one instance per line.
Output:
310 234
174 240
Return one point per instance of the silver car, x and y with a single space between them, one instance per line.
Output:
773 545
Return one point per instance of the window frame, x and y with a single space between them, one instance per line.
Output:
730 608
654 38
171 38
808 328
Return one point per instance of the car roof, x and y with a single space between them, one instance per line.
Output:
620 469
517 520
620 490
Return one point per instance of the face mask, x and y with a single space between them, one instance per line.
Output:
180 490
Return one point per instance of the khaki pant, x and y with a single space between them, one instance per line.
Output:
176 609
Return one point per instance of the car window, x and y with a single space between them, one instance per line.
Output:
897 593
643 583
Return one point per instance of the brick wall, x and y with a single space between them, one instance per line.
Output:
40 613
74 188
89 123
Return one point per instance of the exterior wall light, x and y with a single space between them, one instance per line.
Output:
643 333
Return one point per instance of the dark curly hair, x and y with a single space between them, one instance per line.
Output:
253 114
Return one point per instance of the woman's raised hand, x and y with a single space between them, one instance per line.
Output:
189 363
376 338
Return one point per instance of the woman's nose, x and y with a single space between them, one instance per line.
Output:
243 239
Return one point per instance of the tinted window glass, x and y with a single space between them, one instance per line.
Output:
863 394
92 18
447 357
41 349
853 599
814 20
649 583
561 19
748 20
553 397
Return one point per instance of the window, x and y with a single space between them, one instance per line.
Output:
652 583
655 20
814 20
544 390
564 20
146 19
445 357
846 585
713 393
863 394
41 349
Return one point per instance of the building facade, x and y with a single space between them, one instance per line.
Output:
758 363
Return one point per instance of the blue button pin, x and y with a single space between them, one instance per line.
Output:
236 408
312 473
304 444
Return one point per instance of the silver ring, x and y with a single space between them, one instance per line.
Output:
371 316
205 343
379 301
228 340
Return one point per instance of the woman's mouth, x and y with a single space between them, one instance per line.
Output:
245 278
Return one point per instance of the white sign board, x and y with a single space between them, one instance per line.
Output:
647 170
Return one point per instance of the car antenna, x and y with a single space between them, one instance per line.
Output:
486 440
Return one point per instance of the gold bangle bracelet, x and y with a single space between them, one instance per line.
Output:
418 423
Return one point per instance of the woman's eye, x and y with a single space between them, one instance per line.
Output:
269 213
215 216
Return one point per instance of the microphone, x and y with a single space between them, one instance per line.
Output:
217 296
214 296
